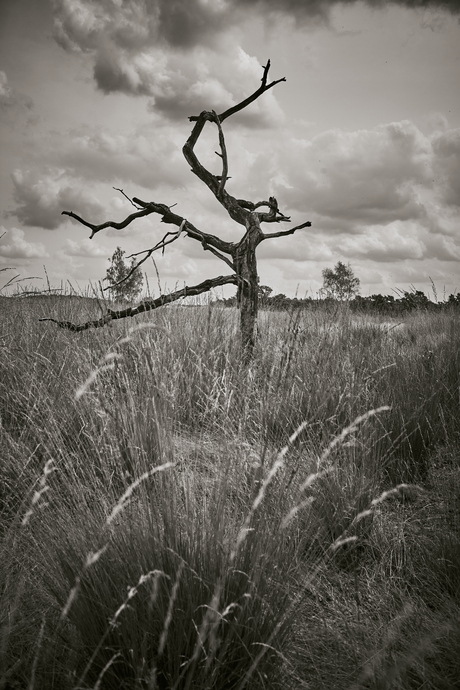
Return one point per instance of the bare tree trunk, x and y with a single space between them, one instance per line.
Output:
245 262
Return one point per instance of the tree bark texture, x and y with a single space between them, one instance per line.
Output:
245 262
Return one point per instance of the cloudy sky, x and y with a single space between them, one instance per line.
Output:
363 139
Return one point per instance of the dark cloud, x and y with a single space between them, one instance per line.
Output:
114 71
131 40
181 84
320 8
188 23
136 24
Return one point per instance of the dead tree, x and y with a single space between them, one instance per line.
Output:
240 256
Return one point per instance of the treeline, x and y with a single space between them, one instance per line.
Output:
381 304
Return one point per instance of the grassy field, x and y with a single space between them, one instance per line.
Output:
172 519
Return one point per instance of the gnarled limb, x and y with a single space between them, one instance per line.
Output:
223 154
109 223
236 210
214 183
282 233
274 215
149 207
147 304
189 229
164 242
250 99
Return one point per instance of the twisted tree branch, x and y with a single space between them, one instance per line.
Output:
126 196
223 178
250 99
109 223
148 304
282 233
148 252
237 211
149 207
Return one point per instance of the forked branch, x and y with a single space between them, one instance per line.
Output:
250 99
223 154
237 211
109 223
148 207
148 252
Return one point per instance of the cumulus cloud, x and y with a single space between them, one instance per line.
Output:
15 246
10 99
395 242
446 148
80 24
384 195
5 90
307 9
85 248
135 24
149 158
366 176
153 48
218 82
184 84
41 199
179 53
128 39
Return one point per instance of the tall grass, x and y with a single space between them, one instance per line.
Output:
171 518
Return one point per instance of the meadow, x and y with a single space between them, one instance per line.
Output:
173 519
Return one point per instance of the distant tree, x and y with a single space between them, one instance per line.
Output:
280 301
264 292
264 295
382 303
125 284
416 299
340 282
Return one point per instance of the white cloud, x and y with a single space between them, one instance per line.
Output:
85 247
12 101
366 176
183 24
5 90
215 80
183 84
396 241
13 245
134 24
446 147
184 55
148 158
41 199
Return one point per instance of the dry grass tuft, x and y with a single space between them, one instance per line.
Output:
170 519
